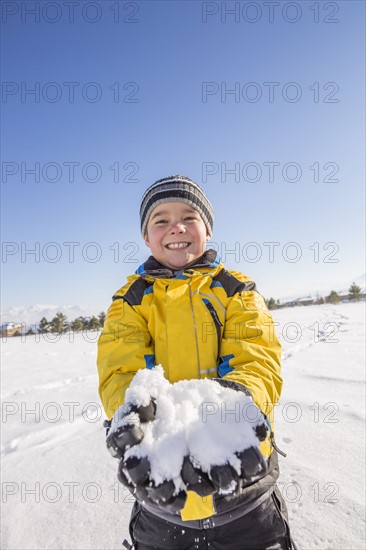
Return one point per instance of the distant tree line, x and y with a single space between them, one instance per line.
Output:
354 294
59 324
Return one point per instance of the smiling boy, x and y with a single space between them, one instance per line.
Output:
176 235
182 309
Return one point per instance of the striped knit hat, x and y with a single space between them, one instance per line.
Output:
176 188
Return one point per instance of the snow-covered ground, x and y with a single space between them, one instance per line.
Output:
59 485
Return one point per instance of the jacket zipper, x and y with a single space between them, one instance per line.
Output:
274 445
218 324
272 438
166 329
210 296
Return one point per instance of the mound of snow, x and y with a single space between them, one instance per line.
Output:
198 418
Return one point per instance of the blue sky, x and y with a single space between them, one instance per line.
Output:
171 70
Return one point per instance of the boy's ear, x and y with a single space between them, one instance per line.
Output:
146 240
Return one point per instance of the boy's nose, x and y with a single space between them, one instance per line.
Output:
178 226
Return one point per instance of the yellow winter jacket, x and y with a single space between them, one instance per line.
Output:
204 321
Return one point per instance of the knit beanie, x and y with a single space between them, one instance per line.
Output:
176 188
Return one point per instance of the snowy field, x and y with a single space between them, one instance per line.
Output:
59 485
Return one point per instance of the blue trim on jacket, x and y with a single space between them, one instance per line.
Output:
224 367
149 360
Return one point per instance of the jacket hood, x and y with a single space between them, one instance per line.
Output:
154 268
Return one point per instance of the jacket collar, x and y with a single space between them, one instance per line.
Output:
155 269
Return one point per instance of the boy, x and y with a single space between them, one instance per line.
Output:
162 315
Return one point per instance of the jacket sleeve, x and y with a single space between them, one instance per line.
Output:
250 349
124 347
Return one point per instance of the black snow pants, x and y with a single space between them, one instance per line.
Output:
264 528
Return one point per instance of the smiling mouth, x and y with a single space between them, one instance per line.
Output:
177 246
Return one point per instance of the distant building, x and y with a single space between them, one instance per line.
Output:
306 301
10 329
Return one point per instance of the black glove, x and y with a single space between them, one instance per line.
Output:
146 491
195 479
252 462
175 504
160 494
125 430
134 472
138 469
225 479
163 496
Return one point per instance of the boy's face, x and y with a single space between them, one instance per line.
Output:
171 223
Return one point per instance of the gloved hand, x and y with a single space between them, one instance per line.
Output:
225 479
252 463
145 490
163 496
222 478
125 431
125 428
195 479
134 472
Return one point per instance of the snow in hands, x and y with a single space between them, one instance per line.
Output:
190 435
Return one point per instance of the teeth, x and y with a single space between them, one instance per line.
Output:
178 245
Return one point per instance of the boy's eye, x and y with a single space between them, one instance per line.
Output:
186 218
